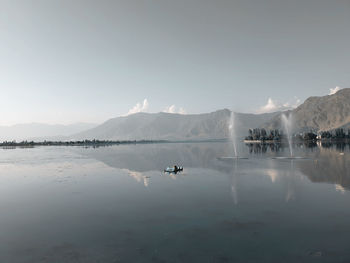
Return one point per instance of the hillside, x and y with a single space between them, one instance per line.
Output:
316 114
319 113
167 126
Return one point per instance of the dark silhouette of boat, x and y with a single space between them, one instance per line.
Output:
175 169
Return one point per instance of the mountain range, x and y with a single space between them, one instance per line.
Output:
315 114
169 126
318 113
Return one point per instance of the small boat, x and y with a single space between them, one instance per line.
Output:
174 169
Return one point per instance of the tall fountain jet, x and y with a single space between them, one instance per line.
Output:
233 138
287 125
232 130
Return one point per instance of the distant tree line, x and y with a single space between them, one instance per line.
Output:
74 143
258 134
308 136
336 134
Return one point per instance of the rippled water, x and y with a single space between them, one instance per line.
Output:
113 204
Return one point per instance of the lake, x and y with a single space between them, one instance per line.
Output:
114 204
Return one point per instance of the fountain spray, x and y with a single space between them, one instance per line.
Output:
287 125
233 132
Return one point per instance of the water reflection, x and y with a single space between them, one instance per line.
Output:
329 162
339 188
147 158
138 176
286 176
105 212
330 165
234 182
273 174
256 148
291 181
324 164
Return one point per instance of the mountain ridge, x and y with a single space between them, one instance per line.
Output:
317 113
321 113
169 126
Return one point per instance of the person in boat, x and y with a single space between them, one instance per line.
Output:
175 169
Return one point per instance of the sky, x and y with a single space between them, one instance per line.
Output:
69 61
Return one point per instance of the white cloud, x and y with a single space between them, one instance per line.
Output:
139 107
293 104
269 107
333 91
182 111
170 109
273 106
173 109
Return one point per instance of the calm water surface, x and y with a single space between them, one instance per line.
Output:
113 204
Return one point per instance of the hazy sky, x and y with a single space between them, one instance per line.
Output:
69 61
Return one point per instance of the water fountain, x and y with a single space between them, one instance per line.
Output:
287 122
232 130
234 182
233 139
287 125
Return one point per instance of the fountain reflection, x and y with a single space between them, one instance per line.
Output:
291 182
288 177
234 183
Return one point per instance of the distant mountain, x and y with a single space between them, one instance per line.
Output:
319 113
167 126
40 131
316 114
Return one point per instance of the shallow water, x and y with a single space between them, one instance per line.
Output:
113 204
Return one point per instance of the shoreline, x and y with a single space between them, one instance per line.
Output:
97 143
104 143
30 144
345 140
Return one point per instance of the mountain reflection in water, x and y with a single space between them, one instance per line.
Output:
114 204
327 162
